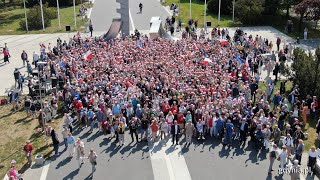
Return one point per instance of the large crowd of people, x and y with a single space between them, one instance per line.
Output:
196 88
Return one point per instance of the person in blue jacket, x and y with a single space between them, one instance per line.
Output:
229 129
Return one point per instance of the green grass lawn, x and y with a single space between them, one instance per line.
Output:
9 21
198 13
16 129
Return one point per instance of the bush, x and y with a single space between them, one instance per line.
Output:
226 7
35 19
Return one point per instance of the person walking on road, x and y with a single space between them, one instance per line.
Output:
70 141
295 169
133 126
27 148
283 157
313 155
6 55
93 160
140 7
24 57
272 156
278 43
90 28
80 152
154 130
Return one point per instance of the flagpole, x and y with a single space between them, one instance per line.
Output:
42 15
234 2
58 8
25 14
74 14
219 12
205 16
190 10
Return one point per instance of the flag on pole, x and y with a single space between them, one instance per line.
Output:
140 44
88 55
240 59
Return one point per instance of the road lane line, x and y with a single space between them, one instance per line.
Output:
167 163
45 170
90 10
131 20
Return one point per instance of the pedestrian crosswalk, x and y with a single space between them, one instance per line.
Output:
167 161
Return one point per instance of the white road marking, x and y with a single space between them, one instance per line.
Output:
90 10
131 20
167 10
167 162
45 170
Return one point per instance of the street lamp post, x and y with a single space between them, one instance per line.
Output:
41 8
219 12
25 14
58 9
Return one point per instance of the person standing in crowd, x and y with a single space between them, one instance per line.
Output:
283 157
24 57
278 43
35 58
299 151
273 156
164 129
27 106
297 135
133 126
121 130
71 143
28 148
93 160
189 130
80 152
55 142
144 129
313 155
288 142
154 130
175 131
295 170
17 75
229 130
65 133
276 134
200 125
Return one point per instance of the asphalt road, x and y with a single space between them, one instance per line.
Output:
205 160
104 11
114 162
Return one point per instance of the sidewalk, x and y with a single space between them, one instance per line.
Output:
29 43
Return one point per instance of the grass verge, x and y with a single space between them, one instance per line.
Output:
16 129
198 13
10 21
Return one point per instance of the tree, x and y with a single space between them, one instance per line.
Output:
287 4
308 9
271 7
35 19
305 71
249 11
226 6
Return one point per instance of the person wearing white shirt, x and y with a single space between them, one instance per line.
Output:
283 157
35 58
313 155
288 142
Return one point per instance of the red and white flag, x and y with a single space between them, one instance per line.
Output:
88 55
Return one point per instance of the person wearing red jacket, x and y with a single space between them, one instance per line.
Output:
174 107
27 148
180 120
